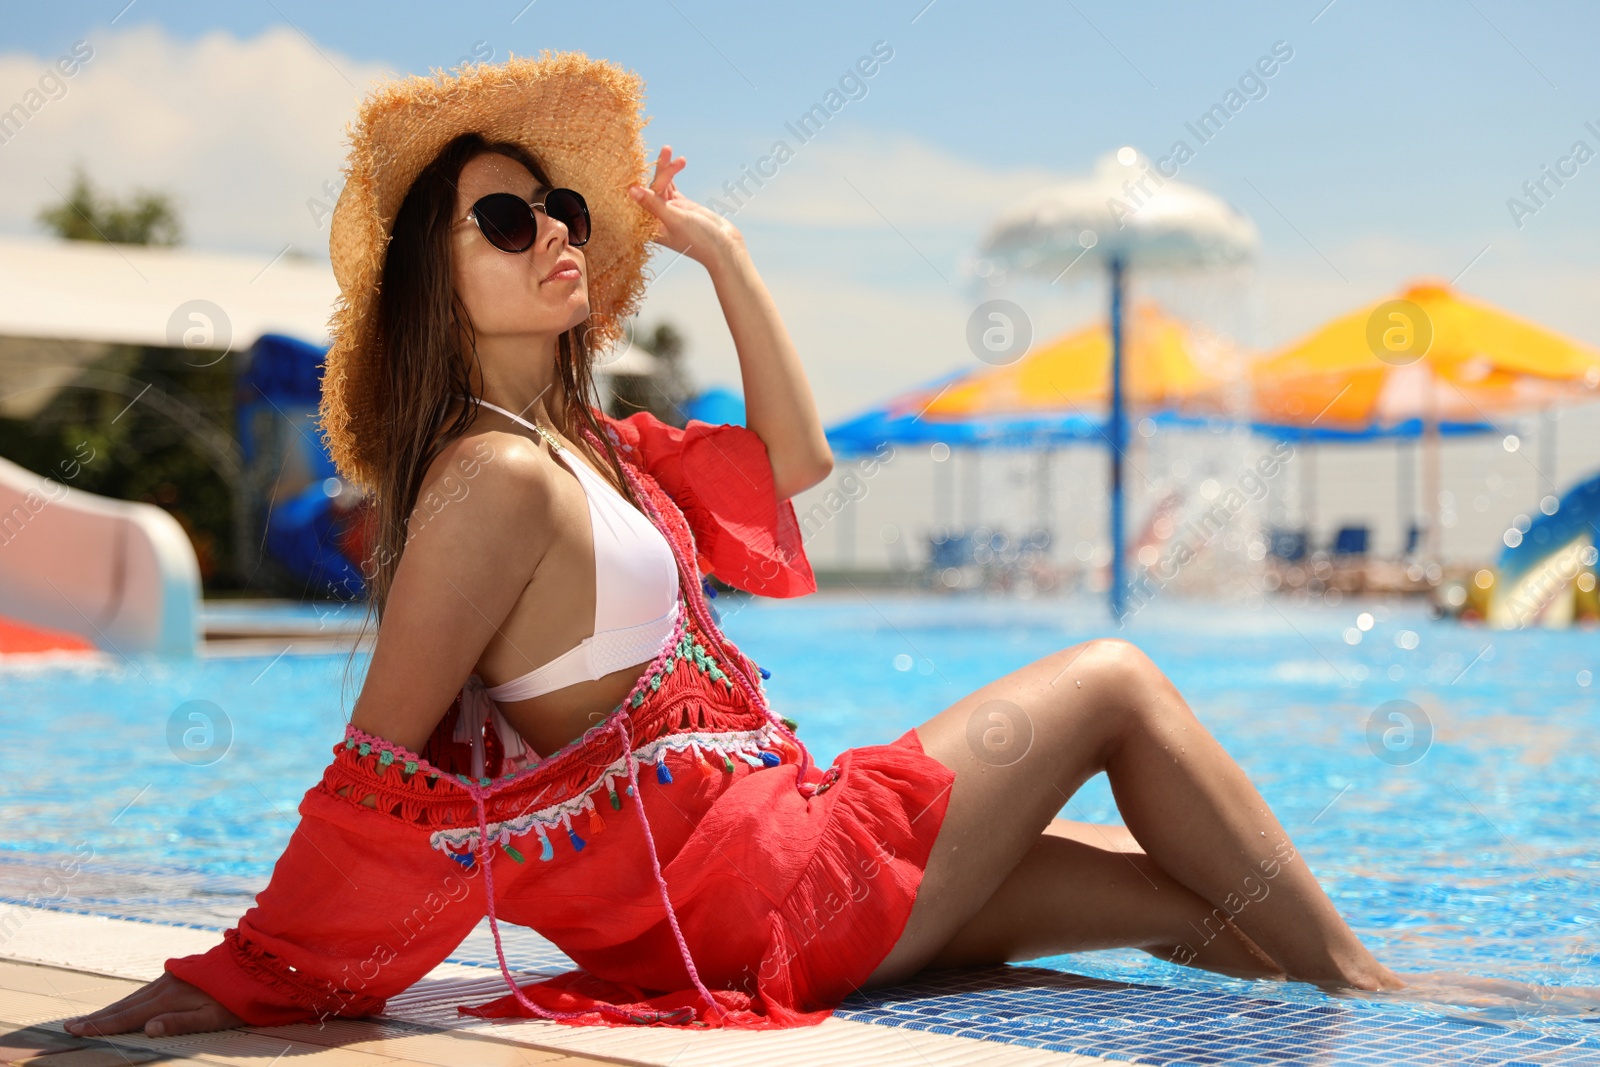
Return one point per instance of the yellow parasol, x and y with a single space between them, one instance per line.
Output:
1431 350
1431 359
1168 362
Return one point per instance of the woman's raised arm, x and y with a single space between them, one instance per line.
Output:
778 402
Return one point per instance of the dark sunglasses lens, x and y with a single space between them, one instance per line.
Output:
568 208
506 221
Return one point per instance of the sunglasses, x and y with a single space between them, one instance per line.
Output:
510 224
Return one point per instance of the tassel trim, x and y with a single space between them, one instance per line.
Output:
751 746
692 702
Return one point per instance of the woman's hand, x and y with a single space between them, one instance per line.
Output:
166 1007
686 227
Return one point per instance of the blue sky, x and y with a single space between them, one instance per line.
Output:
1385 148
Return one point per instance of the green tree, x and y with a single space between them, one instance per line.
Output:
143 218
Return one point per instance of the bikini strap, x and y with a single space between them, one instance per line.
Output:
540 430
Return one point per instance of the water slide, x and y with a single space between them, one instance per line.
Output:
1547 578
81 570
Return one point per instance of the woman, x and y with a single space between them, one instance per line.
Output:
534 555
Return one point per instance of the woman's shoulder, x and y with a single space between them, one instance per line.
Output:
490 480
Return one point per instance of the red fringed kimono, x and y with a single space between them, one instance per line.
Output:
685 852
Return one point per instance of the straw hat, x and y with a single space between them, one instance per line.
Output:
580 117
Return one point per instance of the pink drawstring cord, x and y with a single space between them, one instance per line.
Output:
486 857
480 794
655 865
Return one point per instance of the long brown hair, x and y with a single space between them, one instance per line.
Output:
429 349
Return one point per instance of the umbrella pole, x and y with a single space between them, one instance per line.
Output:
1547 448
1405 492
1119 434
1430 473
1431 455
1308 497
1046 505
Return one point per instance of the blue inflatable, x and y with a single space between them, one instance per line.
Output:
279 391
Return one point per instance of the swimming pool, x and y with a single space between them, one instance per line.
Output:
1463 842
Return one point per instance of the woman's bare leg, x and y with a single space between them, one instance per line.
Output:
1112 836
1070 896
1022 745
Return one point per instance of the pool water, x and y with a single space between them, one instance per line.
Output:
1441 780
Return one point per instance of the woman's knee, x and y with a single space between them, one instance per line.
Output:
1128 690
1108 670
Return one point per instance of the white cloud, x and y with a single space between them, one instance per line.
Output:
912 183
241 133
857 344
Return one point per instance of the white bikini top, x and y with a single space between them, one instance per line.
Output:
636 588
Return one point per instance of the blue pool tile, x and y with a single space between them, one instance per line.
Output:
1050 1009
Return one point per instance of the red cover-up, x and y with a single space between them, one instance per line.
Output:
787 884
